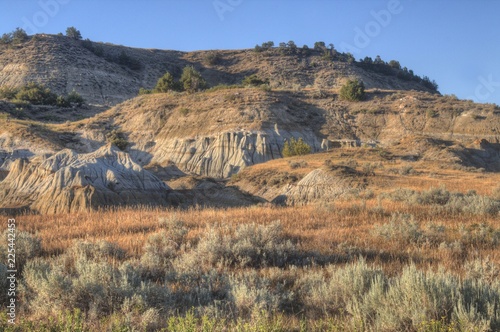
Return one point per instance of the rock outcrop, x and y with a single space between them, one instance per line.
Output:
69 182
320 185
224 154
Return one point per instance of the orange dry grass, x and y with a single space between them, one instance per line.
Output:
326 230
429 174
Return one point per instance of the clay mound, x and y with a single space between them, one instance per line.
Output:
70 182
319 185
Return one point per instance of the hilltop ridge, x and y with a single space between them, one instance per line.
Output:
106 74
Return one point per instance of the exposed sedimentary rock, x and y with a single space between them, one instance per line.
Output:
319 185
223 154
69 181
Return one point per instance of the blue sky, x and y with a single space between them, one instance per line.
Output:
456 43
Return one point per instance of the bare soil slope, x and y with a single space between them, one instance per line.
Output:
69 182
107 74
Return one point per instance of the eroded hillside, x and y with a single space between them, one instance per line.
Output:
107 74
182 137
218 132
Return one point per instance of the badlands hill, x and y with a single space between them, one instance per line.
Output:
107 74
179 139
68 182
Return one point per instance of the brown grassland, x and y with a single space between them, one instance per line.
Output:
396 223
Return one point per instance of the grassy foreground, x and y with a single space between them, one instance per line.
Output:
404 260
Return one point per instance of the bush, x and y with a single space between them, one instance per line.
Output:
253 80
62 102
159 251
89 277
353 90
92 47
118 139
19 36
296 148
162 248
212 58
143 91
448 202
250 245
125 60
495 193
297 164
431 113
267 45
402 227
73 33
184 111
75 98
439 196
7 92
319 46
166 83
192 80
37 94
6 39
395 64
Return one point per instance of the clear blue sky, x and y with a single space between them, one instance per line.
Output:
457 42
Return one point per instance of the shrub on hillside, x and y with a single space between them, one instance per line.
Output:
353 90
126 60
212 58
296 148
73 33
495 193
37 94
6 39
192 80
165 83
62 102
118 139
161 248
306 50
143 91
253 80
19 36
7 92
93 47
264 47
75 98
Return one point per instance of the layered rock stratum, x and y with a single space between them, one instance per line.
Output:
71 182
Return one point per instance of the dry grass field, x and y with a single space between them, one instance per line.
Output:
416 232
